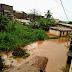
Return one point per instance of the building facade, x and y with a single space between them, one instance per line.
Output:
64 25
20 15
8 11
60 31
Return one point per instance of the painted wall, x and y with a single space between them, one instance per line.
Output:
63 33
20 15
62 26
57 33
54 32
56 20
5 7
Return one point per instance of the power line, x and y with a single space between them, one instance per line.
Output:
64 10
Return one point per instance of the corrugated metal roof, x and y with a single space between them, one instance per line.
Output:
5 4
23 20
61 28
68 25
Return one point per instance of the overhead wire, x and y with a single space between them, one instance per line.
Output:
63 9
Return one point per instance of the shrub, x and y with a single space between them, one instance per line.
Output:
26 55
24 23
17 35
70 22
30 26
43 24
7 25
20 37
3 22
10 27
53 37
18 52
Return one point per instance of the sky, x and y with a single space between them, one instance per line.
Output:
42 6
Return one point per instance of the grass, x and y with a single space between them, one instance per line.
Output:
26 55
53 37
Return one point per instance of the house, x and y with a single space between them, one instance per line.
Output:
34 17
27 22
64 25
6 10
56 20
39 16
60 31
20 15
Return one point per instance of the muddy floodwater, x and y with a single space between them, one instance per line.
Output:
54 49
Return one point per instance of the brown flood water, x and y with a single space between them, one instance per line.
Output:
55 50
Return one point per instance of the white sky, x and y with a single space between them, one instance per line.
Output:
42 6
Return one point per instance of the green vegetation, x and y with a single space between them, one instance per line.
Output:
39 22
3 22
33 15
48 14
70 22
26 55
43 24
14 35
53 37
14 57
18 52
11 61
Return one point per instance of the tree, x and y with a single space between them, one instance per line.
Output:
3 22
48 14
33 14
70 22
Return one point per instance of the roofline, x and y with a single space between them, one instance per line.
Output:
59 29
63 24
20 11
5 4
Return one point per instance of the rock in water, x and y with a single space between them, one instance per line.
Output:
36 64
